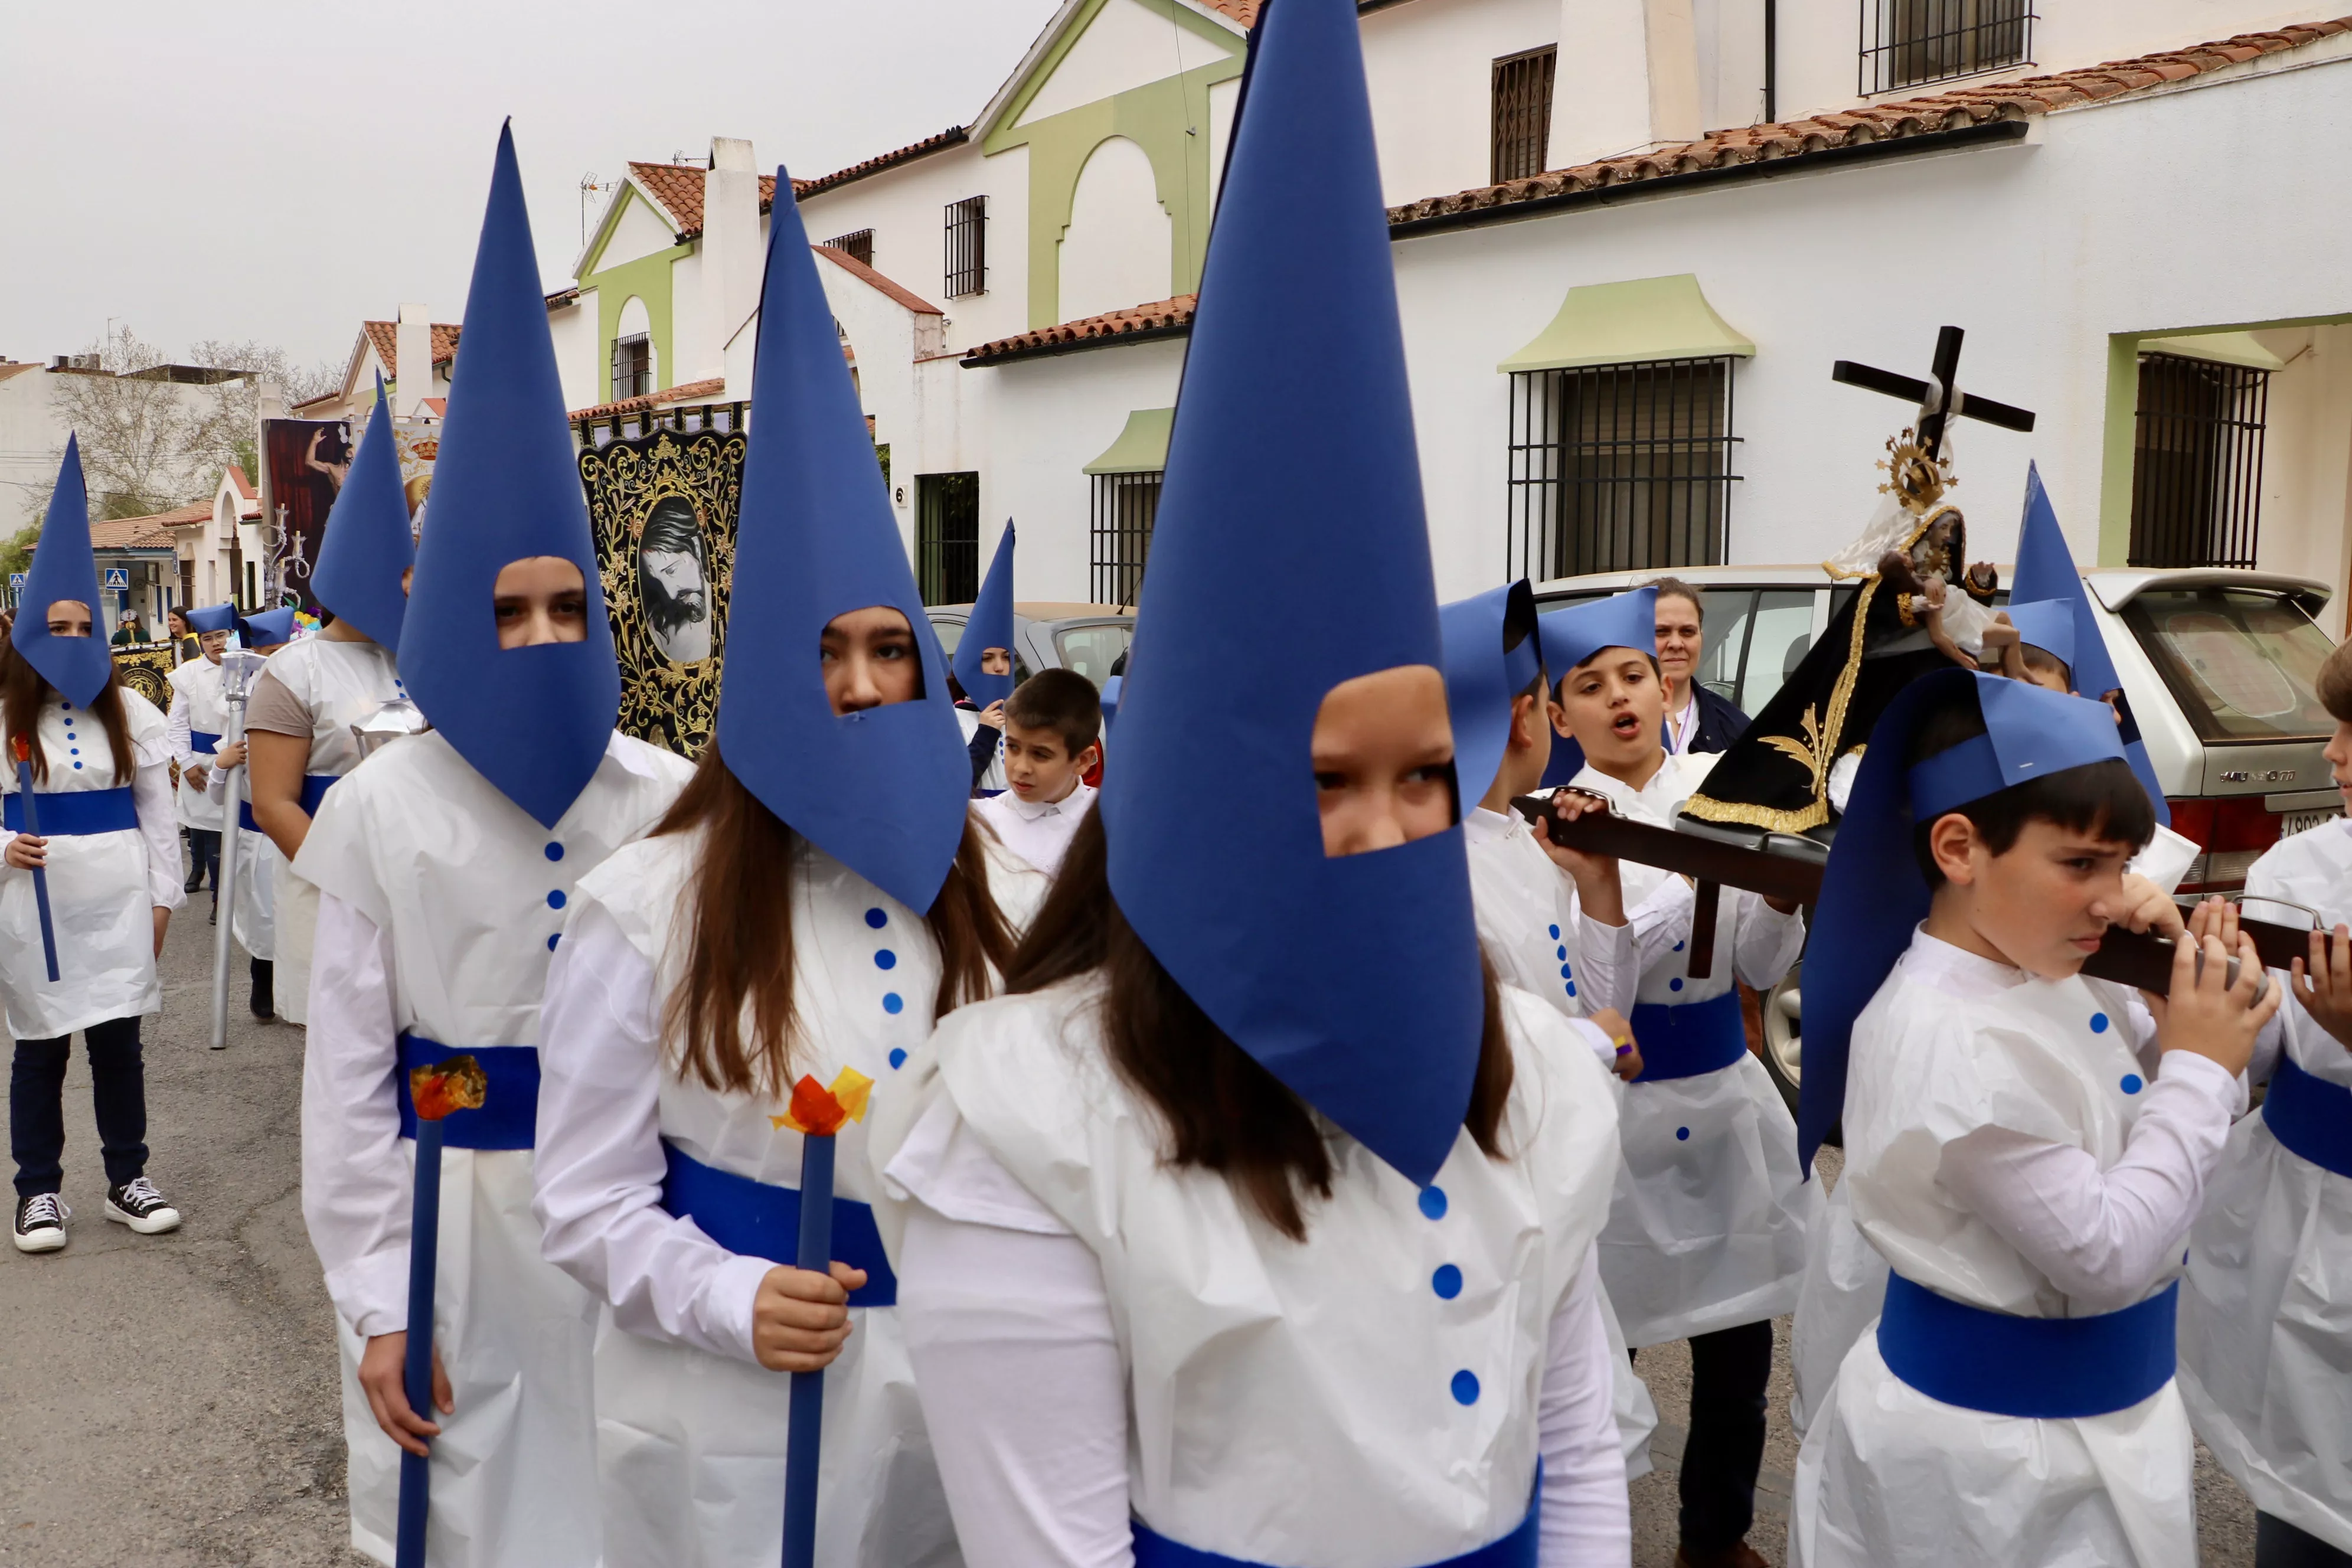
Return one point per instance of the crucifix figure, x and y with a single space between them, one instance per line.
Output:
1938 399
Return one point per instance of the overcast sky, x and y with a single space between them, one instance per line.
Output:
265 169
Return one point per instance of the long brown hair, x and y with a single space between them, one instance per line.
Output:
738 936
23 690
1224 1112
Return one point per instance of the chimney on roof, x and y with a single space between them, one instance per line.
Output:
412 349
1630 85
731 261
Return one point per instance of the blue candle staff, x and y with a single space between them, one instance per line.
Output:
816 1113
41 873
457 1083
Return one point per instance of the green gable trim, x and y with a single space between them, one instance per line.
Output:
1169 119
1141 446
1633 322
647 279
609 224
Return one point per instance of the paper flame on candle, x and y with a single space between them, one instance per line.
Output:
817 1111
22 746
456 1084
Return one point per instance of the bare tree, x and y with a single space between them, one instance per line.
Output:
226 427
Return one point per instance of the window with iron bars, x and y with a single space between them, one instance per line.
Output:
1907 42
1619 467
1125 506
1522 128
2196 463
859 244
967 268
947 538
633 366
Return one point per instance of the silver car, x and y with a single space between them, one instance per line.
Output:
1088 639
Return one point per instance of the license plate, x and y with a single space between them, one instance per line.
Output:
2293 822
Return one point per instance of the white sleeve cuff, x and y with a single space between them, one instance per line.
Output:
727 1307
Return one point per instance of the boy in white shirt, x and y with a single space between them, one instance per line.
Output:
1053 737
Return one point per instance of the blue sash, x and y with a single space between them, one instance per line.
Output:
1517 1550
1690 1039
77 811
2311 1117
754 1219
202 741
508 1117
2042 1368
314 790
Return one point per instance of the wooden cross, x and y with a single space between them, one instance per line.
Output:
1938 398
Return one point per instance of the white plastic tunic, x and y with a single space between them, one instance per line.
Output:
103 887
690 1430
1368 1399
1709 1225
441 903
198 707
254 919
1889 1476
340 683
2266 1309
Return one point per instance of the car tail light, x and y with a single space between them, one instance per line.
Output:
2234 831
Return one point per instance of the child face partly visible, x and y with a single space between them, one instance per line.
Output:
2044 905
539 599
2047 679
869 660
995 661
1611 705
2339 753
1383 756
1038 766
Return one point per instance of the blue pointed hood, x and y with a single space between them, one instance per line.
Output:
268 628
1570 636
2045 570
535 722
882 791
1491 653
63 568
1873 896
990 625
368 544
1355 980
220 617
2048 625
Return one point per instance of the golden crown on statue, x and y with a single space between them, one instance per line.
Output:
1915 479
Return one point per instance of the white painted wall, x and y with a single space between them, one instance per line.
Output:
1117 250
574 329
638 231
907 209
2306 509
1430 68
693 351
1125 47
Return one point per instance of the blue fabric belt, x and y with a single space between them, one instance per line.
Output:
202 741
2310 1117
1690 1039
314 790
2042 1368
76 811
1517 1550
508 1117
755 1219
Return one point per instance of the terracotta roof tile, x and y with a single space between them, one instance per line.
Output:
1159 318
668 394
866 274
1885 121
678 188
243 486
150 532
385 336
954 135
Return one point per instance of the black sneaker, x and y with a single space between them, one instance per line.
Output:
41 1223
138 1204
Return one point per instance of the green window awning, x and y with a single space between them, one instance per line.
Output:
2220 348
1142 448
1629 323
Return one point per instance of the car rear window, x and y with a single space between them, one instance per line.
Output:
1091 650
2241 662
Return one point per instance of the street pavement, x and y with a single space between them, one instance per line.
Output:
171 1401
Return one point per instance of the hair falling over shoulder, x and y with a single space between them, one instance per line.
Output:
23 690
737 965
1223 1111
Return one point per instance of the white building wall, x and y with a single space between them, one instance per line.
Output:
574 329
692 355
907 209
1430 68
638 231
1116 251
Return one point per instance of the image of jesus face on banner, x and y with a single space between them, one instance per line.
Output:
674 582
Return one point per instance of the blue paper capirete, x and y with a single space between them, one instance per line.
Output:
1873 896
990 626
1354 980
2045 570
63 568
1483 677
368 543
1571 635
1111 691
220 617
534 721
268 629
2048 625
884 791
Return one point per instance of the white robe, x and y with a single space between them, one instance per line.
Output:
1376 1397
2012 1144
1711 1215
440 902
2266 1309
1038 832
197 705
690 1430
253 918
103 887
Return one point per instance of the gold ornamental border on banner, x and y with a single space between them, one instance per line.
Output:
668 704
148 671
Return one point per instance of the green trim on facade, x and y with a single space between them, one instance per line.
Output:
648 278
1169 119
1639 320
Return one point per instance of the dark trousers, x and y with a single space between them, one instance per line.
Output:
203 853
37 1120
1728 1371
2278 1544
